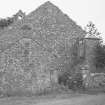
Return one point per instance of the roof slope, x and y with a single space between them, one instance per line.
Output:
47 23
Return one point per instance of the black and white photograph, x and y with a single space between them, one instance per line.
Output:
52 52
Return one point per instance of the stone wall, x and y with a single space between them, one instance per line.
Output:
90 44
24 67
36 47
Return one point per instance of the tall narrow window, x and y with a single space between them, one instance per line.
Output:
81 49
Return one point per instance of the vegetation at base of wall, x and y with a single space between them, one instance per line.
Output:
99 59
72 81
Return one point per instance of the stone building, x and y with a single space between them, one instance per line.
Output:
34 48
90 43
88 67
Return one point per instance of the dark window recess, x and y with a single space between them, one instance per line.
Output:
81 49
26 27
26 53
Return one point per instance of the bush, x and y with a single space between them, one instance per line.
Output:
5 22
74 81
63 79
99 59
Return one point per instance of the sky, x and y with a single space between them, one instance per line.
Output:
81 11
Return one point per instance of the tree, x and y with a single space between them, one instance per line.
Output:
5 22
91 29
9 20
99 48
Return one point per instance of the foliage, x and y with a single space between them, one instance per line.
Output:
91 29
76 81
99 59
6 22
62 79
73 81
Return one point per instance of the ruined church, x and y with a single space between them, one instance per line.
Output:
37 47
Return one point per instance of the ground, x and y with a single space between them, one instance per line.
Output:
61 99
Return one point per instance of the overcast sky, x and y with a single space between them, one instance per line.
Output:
81 11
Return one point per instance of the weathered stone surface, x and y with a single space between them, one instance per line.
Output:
90 44
35 47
